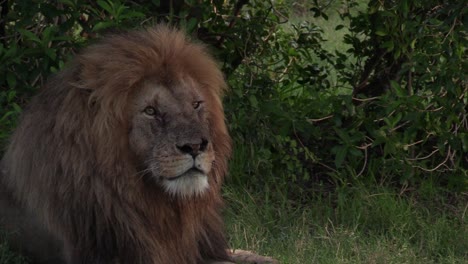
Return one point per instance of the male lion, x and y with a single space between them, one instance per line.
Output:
120 158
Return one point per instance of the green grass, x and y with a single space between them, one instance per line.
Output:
354 225
371 223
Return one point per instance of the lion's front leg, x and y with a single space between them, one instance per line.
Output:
240 256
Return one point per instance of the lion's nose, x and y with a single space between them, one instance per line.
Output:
194 148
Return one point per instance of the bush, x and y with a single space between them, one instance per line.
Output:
391 109
397 114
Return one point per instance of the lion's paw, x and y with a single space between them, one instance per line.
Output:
240 256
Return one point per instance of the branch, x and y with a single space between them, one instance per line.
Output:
237 8
365 163
440 165
311 120
425 157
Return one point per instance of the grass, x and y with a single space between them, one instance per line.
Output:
354 225
372 223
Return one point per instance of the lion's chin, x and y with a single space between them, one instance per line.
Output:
190 184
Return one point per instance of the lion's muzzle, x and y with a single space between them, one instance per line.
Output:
186 174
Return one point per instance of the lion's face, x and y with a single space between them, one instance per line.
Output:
169 133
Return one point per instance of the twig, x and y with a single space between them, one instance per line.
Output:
425 157
365 99
419 141
310 120
399 126
365 162
410 82
381 119
286 69
438 166
364 147
414 143
451 30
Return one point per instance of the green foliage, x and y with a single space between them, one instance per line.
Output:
391 108
396 114
411 89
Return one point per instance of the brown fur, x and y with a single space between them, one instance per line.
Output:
69 167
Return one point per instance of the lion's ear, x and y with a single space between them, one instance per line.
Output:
88 93
82 87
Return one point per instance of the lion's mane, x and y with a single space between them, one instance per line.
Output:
68 163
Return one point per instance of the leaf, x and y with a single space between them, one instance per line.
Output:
11 95
355 152
51 53
397 88
317 12
10 52
397 119
324 16
106 6
339 27
381 33
16 107
29 35
253 101
340 156
464 140
67 2
292 52
103 25
389 45
131 14
191 24
405 8
343 136
11 80
46 35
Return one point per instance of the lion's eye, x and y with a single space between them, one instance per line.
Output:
197 104
150 111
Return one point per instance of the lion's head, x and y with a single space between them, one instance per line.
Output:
170 106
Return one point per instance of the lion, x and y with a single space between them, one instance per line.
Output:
121 157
